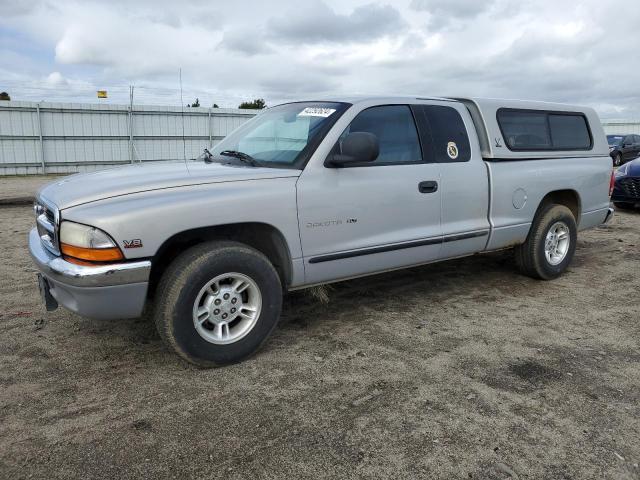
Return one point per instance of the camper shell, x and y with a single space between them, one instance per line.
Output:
494 147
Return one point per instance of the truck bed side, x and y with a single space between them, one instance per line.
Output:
518 187
519 181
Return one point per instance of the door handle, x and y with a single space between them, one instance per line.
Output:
428 186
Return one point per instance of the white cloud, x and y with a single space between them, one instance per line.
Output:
540 49
55 79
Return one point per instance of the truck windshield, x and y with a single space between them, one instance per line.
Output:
282 136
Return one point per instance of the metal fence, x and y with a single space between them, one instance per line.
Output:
621 127
38 138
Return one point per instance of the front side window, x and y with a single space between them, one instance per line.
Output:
282 136
395 129
544 130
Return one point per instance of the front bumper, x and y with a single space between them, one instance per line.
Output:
102 292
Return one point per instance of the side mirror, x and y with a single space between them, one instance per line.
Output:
357 147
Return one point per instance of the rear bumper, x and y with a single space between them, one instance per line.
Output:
102 292
609 216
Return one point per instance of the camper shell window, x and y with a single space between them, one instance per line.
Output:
539 130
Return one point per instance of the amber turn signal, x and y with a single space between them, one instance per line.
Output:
92 254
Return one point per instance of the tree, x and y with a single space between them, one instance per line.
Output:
4 96
257 104
215 105
195 104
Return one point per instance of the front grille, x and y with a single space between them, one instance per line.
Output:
630 186
47 222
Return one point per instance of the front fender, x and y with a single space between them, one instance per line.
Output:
141 222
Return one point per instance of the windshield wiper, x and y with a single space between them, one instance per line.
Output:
245 157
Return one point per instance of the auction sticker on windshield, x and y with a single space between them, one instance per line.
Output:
316 112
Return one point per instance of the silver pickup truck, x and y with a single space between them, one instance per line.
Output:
308 193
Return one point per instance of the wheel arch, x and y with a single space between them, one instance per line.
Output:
264 237
567 197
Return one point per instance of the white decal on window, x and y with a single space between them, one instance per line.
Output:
316 112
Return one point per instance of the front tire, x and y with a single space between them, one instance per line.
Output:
217 303
551 243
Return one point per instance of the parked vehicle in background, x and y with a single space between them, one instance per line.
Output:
626 191
623 148
308 193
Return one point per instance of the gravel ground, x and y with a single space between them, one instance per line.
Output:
463 369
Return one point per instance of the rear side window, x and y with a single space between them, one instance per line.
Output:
541 130
395 129
449 139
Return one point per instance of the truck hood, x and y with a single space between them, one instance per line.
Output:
89 187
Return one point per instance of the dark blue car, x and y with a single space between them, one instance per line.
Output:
626 192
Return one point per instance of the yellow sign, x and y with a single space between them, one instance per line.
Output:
102 94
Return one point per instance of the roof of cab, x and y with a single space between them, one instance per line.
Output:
356 99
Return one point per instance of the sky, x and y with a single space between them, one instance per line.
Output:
584 52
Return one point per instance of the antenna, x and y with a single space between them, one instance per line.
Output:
184 145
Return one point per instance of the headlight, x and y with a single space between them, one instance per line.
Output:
87 243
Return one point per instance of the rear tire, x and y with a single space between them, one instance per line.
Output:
550 245
193 311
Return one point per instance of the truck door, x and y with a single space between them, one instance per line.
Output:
372 217
464 180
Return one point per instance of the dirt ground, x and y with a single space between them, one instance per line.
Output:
463 369
21 188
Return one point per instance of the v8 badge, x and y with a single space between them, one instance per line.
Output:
135 243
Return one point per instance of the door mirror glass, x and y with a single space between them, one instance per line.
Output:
356 147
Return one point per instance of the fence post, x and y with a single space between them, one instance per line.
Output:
40 142
210 129
131 123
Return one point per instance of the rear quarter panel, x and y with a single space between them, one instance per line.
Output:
515 181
